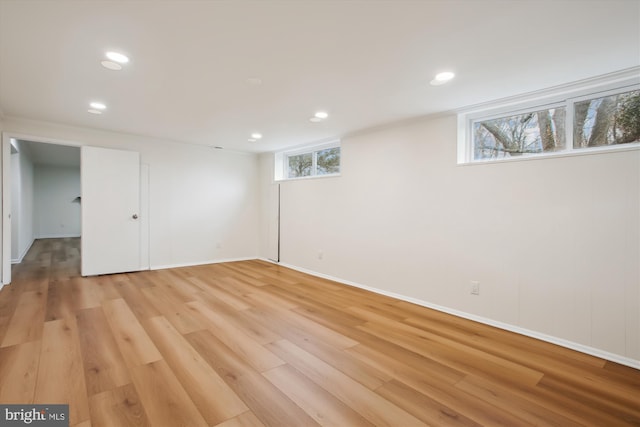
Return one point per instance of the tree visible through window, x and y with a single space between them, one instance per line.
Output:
532 132
328 161
300 165
612 118
324 160
608 120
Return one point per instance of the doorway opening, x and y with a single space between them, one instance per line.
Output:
45 195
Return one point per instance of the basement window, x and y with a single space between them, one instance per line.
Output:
572 120
308 162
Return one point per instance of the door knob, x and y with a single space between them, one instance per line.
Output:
135 216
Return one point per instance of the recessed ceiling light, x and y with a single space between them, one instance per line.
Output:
321 115
252 140
442 78
94 111
316 119
256 135
111 65
117 57
98 106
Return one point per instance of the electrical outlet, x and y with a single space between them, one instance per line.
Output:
475 287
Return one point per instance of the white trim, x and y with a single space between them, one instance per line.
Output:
576 152
43 139
196 263
145 223
57 236
633 363
302 178
6 207
22 255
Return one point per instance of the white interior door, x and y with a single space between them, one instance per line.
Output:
110 211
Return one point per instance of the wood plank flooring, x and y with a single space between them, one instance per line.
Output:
252 344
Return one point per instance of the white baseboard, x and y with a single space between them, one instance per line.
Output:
22 255
633 363
191 264
57 236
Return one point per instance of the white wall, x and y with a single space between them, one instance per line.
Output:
56 213
22 203
554 242
203 202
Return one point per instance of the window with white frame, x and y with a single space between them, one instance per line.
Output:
307 162
601 117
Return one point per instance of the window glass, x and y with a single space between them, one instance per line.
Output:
328 161
608 120
529 133
300 165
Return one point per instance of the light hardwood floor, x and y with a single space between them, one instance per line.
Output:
250 344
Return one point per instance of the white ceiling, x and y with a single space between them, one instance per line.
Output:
367 63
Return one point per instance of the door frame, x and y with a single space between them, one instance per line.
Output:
274 197
5 177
